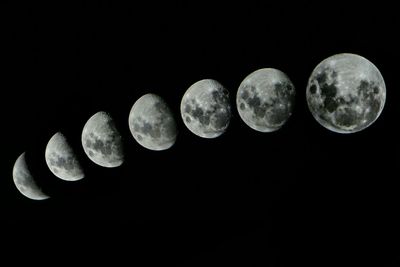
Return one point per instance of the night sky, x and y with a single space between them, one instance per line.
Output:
300 195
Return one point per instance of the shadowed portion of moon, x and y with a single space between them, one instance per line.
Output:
62 160
205 108
102 141
152 124
265 99
25 182
346 93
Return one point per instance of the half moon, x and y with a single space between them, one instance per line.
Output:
62 160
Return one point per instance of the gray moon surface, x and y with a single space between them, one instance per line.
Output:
62 160
102 141
205 108
346 93
25 182
265 99
152 123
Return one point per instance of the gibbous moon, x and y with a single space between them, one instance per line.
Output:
102 142
205 108
152 123
346 93
265 99
25 182
61 159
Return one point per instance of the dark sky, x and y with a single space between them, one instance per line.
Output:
299 195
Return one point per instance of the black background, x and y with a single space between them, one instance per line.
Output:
301 195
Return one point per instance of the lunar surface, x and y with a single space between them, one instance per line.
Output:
205 108
346 93
62 160
265 99
152 123
102 142
25 182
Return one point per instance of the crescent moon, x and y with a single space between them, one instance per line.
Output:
25 182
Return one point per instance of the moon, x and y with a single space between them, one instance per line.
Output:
346 93
25 182
205 108
62 160
265 99
102 141
152 123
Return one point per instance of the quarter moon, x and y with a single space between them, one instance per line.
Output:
265 99
152 123
25 182
102 141
346 93
205 108
62 160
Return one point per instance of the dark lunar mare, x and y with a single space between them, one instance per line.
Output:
366 93
67 163
277 111
154 130
220 98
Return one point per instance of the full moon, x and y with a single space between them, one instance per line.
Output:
152 123
265 99
62 160
205 108
102 142
346 93
25 182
